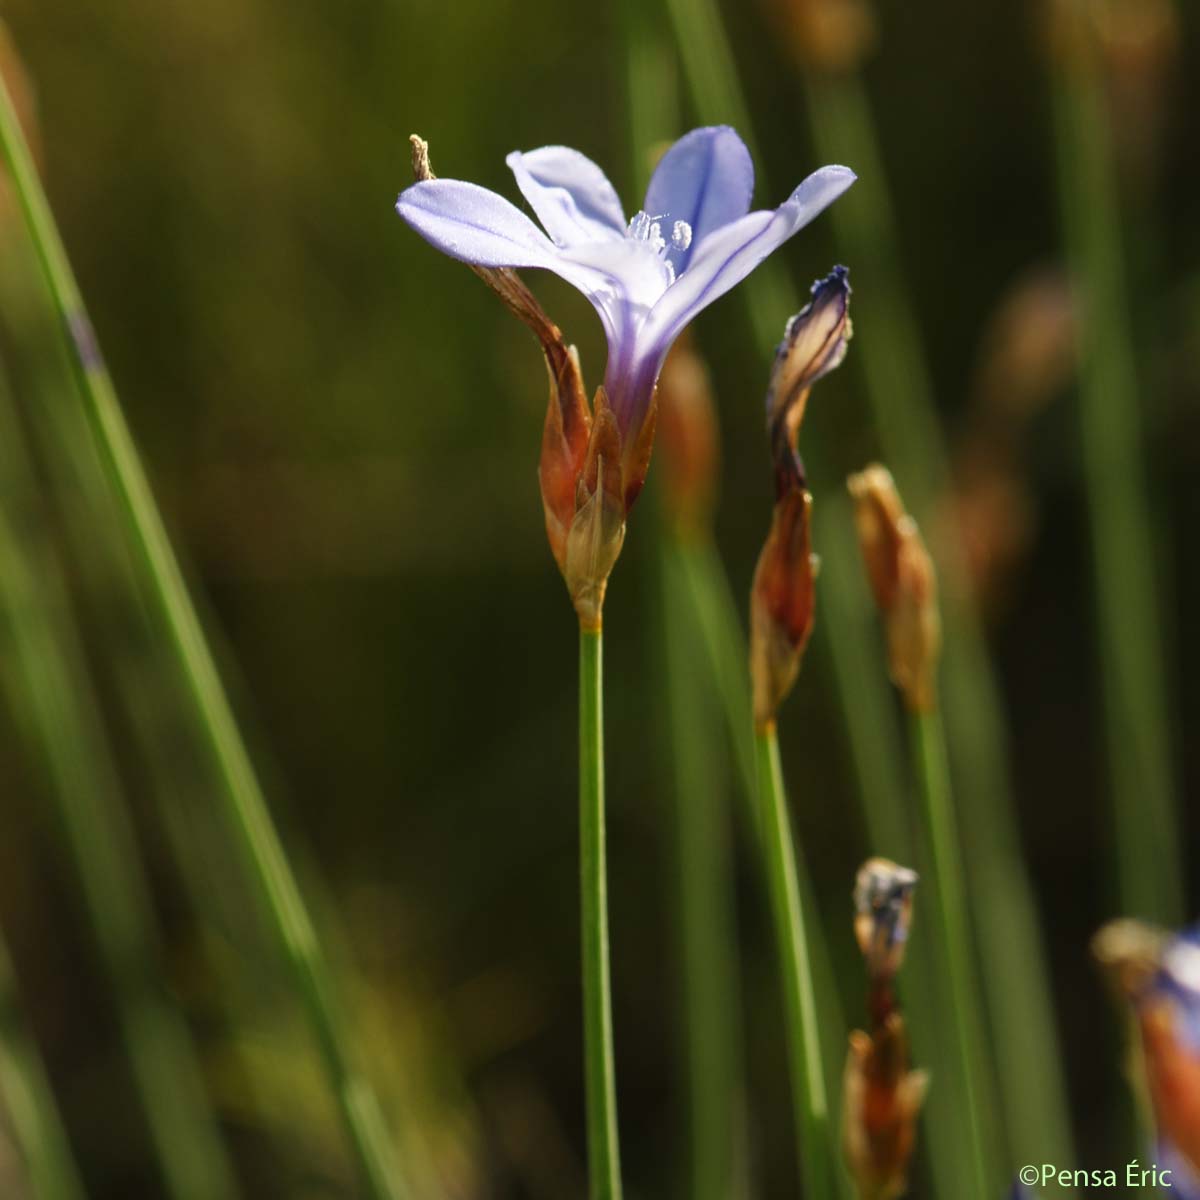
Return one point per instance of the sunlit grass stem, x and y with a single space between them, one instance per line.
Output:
946 893
29 1102
1129 611
810 1100
724 640
702 830
604 1157
165 590
47 678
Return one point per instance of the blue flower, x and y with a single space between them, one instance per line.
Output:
693 239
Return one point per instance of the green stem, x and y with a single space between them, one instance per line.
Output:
962 1005
246 808
48 679
29 1101
702 834
724 642
604 1157
1123 537
814 1143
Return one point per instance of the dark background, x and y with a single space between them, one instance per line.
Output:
342 429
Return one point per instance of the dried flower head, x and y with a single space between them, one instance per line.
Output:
882 1095
783 595
883 897
904 584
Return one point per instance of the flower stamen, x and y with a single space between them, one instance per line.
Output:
647 228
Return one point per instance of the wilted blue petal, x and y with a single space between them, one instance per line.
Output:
572 196
706 179
728 255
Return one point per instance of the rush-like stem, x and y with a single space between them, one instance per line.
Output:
604 1156
29 1102
810 1102
702 830
166 593
946 895
724 644
1129 613
45 673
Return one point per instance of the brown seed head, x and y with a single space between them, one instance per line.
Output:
883 901
882 1100
904 583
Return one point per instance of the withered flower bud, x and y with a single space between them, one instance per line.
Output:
814 343
782 604
883 896
1130 952
904 584
689 447
882 1095
783 595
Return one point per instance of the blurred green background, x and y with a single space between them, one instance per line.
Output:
342 429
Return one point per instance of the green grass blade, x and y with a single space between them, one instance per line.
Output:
167 596
810 1097
944 886
707 900
29 1100
47 678
1129 612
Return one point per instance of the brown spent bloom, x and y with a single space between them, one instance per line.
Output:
883 902
882 1096
782 604
783 595
904 584
588 478
882 1100
1130 952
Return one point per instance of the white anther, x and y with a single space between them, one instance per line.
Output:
681 235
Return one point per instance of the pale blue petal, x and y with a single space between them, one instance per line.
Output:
1184 1178
474 225
727 256
477 226
705 179
570 194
